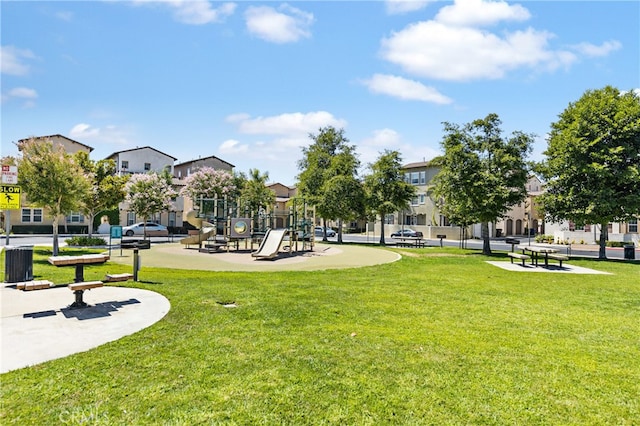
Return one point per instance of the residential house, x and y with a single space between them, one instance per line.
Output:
524 218
284 194
422 213
144 160
182 170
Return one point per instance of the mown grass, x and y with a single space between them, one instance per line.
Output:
440 337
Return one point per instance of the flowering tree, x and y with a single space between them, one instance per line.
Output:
52 178
148 194
208 182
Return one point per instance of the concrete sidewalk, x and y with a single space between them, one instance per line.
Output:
36 326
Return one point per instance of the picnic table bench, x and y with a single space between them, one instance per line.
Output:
34 285
158 233
79 289
521 256
409 241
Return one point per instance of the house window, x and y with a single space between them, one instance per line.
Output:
389 219
423 178
414 201
444 221
37 215
131 218
147 167
415 178
124 164
172 219
407 177
633 225
75 218
423 198
26 215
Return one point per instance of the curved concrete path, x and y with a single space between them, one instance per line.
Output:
37 326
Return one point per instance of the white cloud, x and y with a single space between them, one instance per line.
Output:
296 123
64 16
454 47
193 12
24 94
435 50
232 146
12 60
369 149
107 135
285 25
406 89
480 12
396 7
604 49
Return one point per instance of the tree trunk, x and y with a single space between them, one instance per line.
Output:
339 231
604 230
55 235
486 241
324 230
90 227
382 232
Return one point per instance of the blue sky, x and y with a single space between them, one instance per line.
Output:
248 81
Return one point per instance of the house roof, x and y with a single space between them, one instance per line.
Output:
57 136
203 159
140 148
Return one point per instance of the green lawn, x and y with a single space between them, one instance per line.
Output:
438 338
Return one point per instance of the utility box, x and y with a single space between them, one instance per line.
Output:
18 264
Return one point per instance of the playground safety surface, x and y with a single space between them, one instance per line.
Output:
322 257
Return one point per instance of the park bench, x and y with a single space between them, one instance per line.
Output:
79 289
521 256
158 233
117 277
34 285
559 257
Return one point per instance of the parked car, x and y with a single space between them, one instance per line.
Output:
138 228
330 232
406 233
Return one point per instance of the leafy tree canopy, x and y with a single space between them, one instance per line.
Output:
592 165
385 187
148 194
208 182
255 193
483 174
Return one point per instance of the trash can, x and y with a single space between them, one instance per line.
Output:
629 252
18 264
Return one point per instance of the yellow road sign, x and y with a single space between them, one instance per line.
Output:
10 197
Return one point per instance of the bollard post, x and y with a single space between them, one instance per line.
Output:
136 264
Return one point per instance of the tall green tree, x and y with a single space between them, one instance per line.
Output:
592 165
255 193
148 194
329 155
52 179
385 187
106 188
483 174
345 200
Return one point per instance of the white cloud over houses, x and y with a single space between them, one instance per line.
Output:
232 146
93 136
405 89
593 50
193 12
285 24
370 148
296 123
455 46
13 60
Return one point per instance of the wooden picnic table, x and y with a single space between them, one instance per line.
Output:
537 252
409 241
78 262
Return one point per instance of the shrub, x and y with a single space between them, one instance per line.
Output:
84 241
617 243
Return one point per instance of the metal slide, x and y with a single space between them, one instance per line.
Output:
270 244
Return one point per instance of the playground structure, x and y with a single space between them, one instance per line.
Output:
222 224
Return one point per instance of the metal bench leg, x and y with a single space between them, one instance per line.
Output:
79 303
